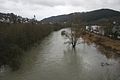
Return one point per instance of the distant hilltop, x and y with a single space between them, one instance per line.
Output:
101 16
92 17
12 18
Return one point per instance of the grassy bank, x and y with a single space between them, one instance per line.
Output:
17 38
106 42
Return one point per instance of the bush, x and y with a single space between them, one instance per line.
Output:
16 38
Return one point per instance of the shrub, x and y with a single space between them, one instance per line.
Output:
16 38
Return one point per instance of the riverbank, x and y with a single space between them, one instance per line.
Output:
18 38
106 42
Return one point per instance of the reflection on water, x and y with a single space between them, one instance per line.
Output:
53 60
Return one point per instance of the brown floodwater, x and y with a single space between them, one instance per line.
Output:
54 60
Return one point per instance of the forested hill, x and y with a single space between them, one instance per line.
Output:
92 17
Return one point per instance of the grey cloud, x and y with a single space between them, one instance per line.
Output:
44 8
50 3
82 3
94 3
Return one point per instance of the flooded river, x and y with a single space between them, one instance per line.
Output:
54 60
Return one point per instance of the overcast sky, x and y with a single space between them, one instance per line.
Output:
47 8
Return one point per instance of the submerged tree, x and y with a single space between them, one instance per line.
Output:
73 36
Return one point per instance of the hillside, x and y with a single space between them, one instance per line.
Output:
92 17
12 18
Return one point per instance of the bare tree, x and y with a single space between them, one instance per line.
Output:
73 36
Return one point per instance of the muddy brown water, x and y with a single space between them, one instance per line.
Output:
54 60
